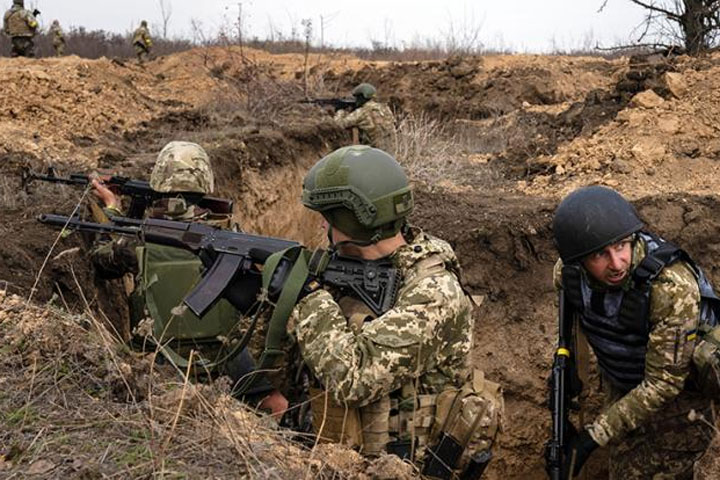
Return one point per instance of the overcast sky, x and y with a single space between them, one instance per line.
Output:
519 25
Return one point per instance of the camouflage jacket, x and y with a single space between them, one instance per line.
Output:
674 314
19 22
375 122
58 38
425 338
141 36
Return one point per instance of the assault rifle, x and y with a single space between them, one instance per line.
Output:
336 103
139 191
231 259
560 396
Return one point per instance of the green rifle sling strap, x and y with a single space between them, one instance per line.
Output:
277 325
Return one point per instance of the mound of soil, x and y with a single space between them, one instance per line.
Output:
526 130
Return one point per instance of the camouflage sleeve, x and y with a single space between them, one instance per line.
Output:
357 118
674 314
389 351
30 19
114 258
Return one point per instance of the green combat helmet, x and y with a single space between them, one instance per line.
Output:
361 191
363 93
143 23
19 3
182 167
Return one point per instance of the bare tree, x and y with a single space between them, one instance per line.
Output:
692 24
165 12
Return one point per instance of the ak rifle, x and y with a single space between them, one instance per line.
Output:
337 103
231 260
141 194
560 395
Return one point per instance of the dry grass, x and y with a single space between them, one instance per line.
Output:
75 402
427 149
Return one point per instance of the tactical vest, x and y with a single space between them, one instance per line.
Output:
17 24
616 322
166 275
407 422
388 420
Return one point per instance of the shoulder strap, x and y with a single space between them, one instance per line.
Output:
276 332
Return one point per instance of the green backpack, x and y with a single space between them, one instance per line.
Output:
166 275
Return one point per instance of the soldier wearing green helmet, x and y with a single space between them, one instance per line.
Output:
142 42
387 383
157 278
21 25
374 121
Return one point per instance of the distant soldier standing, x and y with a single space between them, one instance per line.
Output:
374 120
142 42
20 25
58 38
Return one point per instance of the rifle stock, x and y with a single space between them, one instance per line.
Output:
231 258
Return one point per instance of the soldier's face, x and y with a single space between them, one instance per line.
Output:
611 265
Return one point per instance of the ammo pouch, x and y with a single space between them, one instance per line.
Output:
706 358
466 423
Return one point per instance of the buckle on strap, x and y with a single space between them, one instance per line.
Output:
648 269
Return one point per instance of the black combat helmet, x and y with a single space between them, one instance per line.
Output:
591 218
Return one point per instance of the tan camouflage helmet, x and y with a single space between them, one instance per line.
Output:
182 167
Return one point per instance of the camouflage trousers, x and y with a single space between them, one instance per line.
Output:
22 47
142 52
665 450
59 49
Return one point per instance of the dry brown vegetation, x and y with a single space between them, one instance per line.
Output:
491 144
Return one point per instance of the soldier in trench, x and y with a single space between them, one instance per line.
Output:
637 301
373 120
160 276
400 382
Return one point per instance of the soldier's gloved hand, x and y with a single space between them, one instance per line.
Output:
36 12
580 447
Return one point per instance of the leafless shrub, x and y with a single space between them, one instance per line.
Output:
426 148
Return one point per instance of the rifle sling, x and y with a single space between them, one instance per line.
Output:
276 331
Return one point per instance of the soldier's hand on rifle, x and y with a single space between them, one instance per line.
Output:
106 195
36 12
579 450
276 403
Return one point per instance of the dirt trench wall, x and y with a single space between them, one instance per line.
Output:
506 250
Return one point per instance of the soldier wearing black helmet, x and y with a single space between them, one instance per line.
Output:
637 301
374 121
21 25
388 383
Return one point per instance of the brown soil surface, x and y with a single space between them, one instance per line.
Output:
527 129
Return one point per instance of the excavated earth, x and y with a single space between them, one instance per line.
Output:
521 132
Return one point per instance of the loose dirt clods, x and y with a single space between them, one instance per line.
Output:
495 141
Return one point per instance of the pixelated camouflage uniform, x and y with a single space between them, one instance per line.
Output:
20 25
647 428
142 42
420 346
58 38
376 124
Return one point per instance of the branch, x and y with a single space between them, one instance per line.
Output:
602 7
652 7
